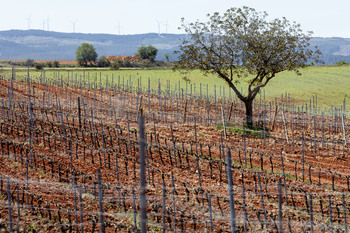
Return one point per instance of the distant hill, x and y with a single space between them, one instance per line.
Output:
333 49
47 45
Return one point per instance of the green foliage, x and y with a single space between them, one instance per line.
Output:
127 63
116 64
30 62
253 131
166 57
85 54
56 64
49 64
103 62
327 82
186 79
242 43
147 52
38 66
342 63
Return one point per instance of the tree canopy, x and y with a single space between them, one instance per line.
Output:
147 52
242 45
85 54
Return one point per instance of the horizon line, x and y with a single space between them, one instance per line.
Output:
97 33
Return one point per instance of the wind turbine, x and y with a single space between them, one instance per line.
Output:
74 22
118 27
158 27
48 23
29 20
166 27
43 24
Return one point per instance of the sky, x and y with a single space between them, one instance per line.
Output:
324 17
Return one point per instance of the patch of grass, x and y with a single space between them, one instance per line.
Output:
254 131
327 82
15 164
87 195
42 174
31 226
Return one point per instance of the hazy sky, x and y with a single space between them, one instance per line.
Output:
324 17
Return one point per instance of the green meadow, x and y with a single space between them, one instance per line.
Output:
331 84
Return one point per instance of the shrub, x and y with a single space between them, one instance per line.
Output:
127 63
13 63
341 63
166 57
49 64
103 62
56 64
147 52
38 66
30 62
116 64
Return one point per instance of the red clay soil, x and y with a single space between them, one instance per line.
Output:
126 58
187 155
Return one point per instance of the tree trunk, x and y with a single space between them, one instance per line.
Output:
249 112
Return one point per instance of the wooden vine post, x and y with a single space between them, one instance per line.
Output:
223 122
274 119
142 144
185 112
285 126
230 191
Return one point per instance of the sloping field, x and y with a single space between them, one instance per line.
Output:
324 86
57 134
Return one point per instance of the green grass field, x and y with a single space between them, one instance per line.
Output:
331 84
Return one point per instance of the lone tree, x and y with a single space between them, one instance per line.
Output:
147 52
242 46
85 54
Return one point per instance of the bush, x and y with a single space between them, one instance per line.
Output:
30 62
116 64
167 57
13 63
147 52
49 64
38 66
103 62
341 63
56 64
127 63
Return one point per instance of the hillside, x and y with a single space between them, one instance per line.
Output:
333 49
46 45
71 161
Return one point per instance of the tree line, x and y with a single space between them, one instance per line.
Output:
86 55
